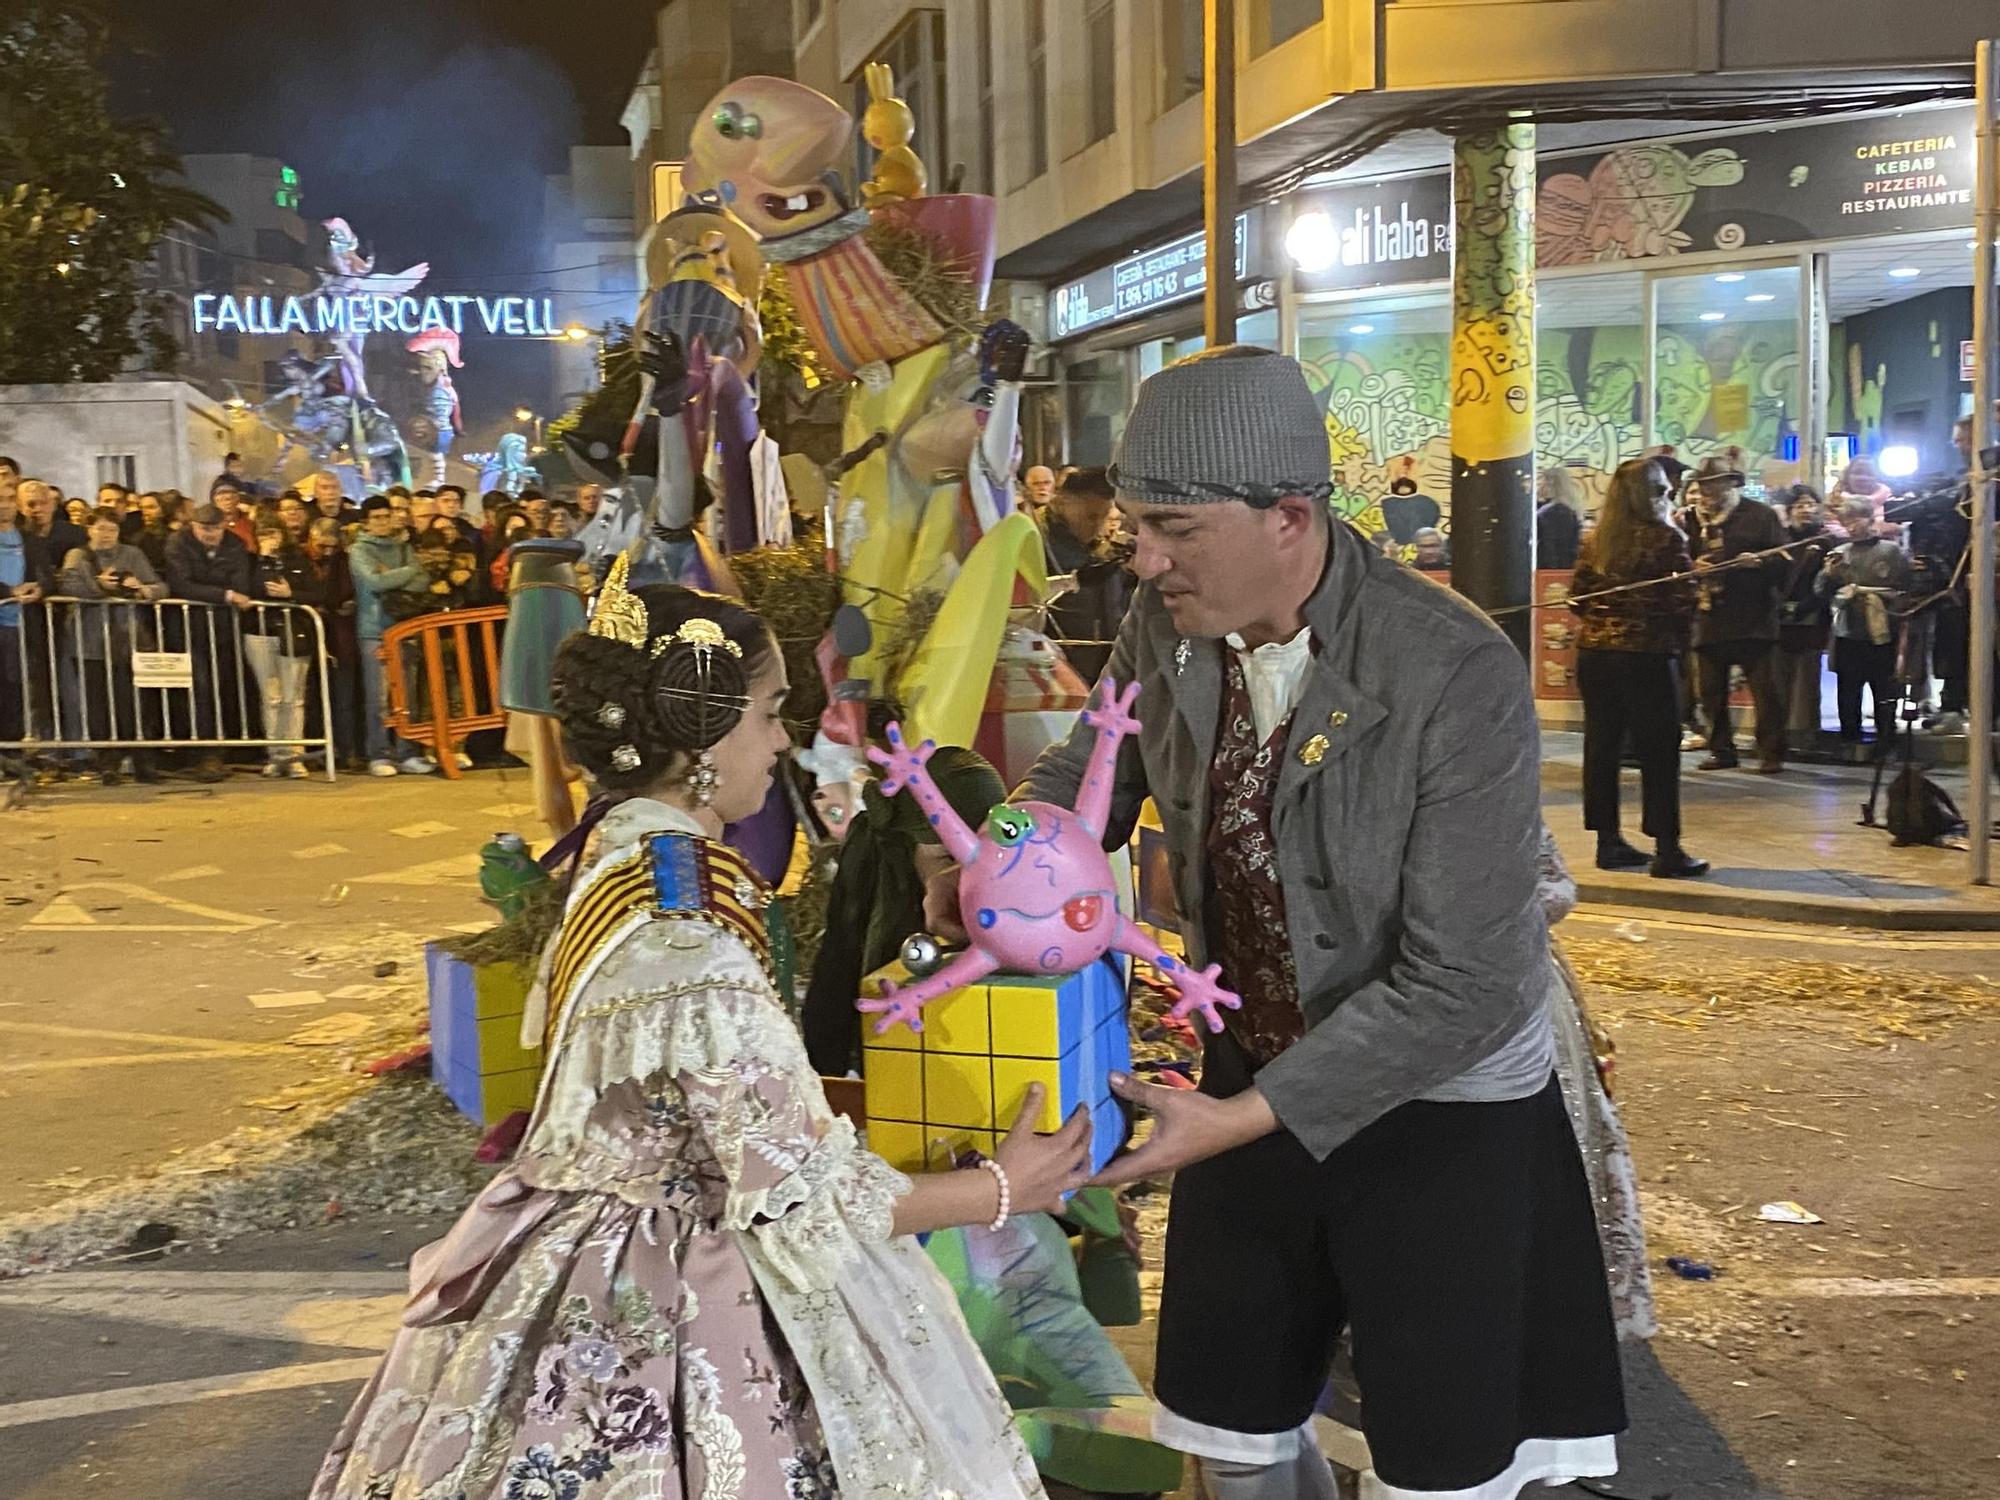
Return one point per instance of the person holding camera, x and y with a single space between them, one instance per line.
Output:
106 635
280 643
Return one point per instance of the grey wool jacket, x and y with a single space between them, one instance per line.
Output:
1407 821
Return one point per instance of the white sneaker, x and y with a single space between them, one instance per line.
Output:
464 760
381 768
296 769
418 765
273 769
1692 739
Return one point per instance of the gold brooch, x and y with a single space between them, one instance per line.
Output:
1337 718
1313 751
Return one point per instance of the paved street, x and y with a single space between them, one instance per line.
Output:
184 978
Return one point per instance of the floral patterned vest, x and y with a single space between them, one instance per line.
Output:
1246 906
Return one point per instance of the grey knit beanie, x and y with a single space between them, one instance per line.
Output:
1231 423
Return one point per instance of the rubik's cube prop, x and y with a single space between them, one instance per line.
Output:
959 1083
476 1052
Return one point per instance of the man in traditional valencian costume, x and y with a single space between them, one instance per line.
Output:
1346 762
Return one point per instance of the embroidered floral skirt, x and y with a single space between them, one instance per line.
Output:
581 1347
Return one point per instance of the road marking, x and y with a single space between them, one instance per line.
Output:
451 868
177 1392
193 872
319 851
1647 918
135 1059
422 830
1871 1286
65 913
164 1048
287 999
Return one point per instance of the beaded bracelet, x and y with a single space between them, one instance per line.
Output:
1006 1193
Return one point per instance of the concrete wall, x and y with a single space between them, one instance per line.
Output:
176 436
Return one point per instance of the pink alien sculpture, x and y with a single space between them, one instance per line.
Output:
1036 894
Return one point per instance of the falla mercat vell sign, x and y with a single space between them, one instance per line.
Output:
333 313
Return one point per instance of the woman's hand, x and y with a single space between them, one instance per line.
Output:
1042 1169
1187 1127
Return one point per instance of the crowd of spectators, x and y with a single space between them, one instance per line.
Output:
280 575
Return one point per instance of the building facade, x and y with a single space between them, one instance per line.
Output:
265 249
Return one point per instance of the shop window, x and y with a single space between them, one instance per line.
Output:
1095 390
1181 58
1726 369
1590 361
1100 45
1380 368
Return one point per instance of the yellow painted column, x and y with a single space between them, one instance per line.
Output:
1493 372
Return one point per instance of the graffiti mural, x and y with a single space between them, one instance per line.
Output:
1387 406
1630 207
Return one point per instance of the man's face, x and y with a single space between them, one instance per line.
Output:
228 499
1430 551
1805 510
1715 498
538 512
208 536
39 501
1082 515
1210 563
423 510
111 495
450 504
1041 482
103 535
381 522
1859 520
589 498
326 494
232 465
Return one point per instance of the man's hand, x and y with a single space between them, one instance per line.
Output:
241 601
28 593
1187 1127
941 917
108 580
278 588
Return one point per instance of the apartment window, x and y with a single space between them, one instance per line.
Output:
279 248
1275 21
1100 50
915 54
983 30
1038 91
1181 60
118 468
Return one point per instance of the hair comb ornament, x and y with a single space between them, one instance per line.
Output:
619 615
703 636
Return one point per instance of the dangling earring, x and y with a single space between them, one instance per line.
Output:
704 778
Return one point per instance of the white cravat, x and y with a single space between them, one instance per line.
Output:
1273 674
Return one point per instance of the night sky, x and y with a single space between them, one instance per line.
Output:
427 124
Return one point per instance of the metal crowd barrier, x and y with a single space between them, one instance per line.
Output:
454 695
166 674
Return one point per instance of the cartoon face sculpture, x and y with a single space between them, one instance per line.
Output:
1036 891
770 149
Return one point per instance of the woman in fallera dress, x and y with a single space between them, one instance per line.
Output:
692 1280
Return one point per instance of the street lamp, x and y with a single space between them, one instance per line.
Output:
576 333
524 415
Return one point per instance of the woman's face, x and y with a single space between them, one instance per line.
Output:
1661 489
293 514
103 535
744 757
269 543
149 509
76 510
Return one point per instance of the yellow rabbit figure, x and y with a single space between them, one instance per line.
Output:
888 126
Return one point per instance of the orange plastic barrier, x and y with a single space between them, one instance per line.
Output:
460 650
